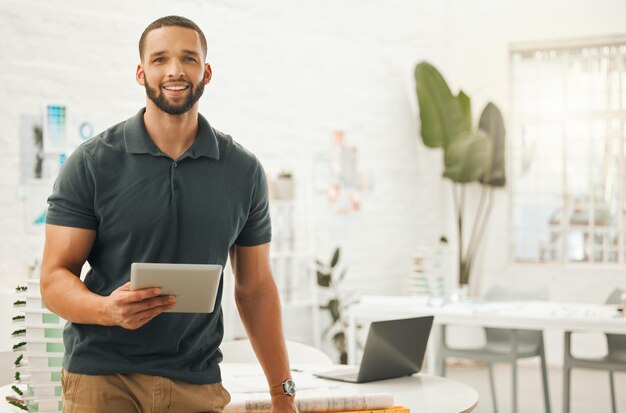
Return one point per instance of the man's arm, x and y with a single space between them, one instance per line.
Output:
65 251
259 307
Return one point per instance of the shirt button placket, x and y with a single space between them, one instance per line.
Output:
174 183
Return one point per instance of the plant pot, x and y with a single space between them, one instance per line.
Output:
460 294
284 188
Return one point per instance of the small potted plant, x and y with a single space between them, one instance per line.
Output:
284 187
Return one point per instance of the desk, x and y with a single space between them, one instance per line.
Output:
421 393
530 315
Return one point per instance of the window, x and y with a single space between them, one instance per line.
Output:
567 152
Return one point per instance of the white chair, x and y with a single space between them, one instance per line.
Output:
504 345
615 360
240 351
7 358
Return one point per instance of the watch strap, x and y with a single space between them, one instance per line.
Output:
279 389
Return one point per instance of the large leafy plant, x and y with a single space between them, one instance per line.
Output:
470 154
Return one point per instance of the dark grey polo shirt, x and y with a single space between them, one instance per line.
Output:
147 207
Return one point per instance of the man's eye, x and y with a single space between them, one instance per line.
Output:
190 59
158 60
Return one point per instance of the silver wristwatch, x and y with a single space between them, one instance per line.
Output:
287 387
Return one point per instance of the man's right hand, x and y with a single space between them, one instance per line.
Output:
132 309
63 292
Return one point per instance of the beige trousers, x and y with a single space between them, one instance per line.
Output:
139 393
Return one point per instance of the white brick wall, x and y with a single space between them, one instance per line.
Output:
286 74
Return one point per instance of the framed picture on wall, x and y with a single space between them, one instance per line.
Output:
54 128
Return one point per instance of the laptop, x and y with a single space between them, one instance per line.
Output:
394 348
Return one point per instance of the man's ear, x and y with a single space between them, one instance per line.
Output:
207 73
139 75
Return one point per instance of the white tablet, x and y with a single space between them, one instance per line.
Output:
194 285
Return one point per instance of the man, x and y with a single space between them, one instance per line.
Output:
163 186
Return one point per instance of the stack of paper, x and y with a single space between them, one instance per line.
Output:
39 352
336 403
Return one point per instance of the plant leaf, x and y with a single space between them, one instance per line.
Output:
323 279
440 112
334 309
465 103
466 158
343 357
342 275
492 123
339 340
335 259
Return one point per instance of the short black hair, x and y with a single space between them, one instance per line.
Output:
171 21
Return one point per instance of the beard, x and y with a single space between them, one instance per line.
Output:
171 108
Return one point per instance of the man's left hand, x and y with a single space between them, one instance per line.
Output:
284 404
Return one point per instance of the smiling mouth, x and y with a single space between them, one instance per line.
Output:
176 88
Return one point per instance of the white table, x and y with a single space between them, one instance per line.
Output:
531 315
421 393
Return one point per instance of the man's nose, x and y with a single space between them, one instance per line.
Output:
175 69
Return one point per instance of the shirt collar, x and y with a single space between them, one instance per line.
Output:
138 141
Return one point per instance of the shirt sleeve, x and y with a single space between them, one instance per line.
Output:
72 201
258 227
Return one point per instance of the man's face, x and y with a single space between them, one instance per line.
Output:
173 69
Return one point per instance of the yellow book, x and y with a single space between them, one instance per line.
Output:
394 409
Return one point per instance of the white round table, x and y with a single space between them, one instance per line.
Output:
424 393
421 393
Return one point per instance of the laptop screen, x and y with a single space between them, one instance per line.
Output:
395 348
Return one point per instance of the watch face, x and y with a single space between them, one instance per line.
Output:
289 387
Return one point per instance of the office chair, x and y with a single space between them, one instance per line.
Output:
504 345
615 360
240 351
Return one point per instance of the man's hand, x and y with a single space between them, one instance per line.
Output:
283 404
132 309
